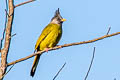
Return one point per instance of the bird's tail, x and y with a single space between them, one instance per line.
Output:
34 66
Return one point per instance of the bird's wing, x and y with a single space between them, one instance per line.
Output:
43 35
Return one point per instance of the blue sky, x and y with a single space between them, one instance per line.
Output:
86 20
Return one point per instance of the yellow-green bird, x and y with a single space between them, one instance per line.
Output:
49 37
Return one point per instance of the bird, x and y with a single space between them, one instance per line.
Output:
49 38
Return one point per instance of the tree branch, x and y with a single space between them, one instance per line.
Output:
23 3
90 64
8 71
5 50
65 45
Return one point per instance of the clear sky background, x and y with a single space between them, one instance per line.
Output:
86 20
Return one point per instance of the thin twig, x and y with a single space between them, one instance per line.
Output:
6 3
7 71
90 64
3 30
2 39
13 35
23 3
7 13
108 30
65 45
59 71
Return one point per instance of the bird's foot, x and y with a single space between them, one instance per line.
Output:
46 49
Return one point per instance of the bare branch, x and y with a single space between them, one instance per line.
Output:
5 50
108 30
59 71
23 3
65 45
7 71
90 64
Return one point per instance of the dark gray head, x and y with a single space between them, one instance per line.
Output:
57 19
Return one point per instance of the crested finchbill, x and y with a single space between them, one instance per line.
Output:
49 37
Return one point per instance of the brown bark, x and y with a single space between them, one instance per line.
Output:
5 50
62 46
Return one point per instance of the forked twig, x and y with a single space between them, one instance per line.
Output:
8 71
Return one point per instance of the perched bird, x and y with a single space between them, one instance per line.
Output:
49 37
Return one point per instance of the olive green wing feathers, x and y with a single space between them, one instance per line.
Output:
43 35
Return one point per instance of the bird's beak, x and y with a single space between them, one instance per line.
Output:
63 20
